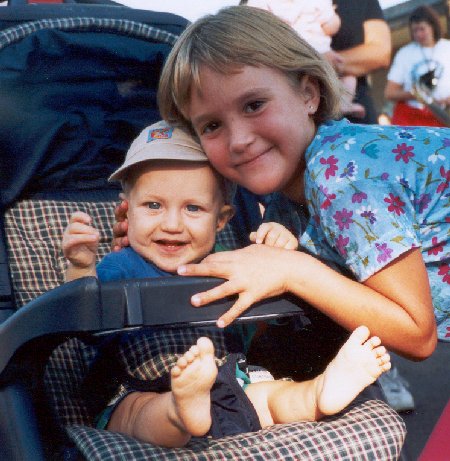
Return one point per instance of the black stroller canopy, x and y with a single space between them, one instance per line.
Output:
73 102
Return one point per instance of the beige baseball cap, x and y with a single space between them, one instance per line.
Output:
161 141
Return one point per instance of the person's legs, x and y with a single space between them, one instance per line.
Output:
359 362
171 418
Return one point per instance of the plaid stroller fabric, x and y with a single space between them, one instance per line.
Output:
348 436
367 430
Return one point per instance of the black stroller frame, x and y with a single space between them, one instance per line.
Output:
33 326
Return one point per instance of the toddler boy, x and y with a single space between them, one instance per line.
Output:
176 204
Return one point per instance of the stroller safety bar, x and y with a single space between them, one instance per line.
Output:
85 305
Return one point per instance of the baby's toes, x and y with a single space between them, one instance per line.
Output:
374 341
359 335
384 362
386 366
189 356
379 351
182 362
175 371
194 350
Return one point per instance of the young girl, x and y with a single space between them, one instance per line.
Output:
369 201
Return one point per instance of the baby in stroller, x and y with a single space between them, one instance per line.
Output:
176 205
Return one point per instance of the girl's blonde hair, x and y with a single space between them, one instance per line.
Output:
239 36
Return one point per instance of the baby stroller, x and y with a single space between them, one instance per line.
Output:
77 84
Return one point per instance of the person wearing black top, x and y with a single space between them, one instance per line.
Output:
362 45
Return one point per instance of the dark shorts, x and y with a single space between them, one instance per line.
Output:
231 410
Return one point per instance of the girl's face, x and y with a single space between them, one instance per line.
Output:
255 125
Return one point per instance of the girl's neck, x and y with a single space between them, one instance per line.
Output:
295 190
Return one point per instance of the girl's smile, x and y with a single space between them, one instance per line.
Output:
255 124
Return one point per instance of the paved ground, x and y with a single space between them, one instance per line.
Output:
430 385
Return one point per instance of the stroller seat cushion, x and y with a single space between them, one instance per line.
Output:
345 436
34 231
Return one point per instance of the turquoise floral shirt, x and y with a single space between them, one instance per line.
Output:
373 193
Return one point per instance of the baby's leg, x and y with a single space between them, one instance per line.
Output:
192 379
359 362
171 418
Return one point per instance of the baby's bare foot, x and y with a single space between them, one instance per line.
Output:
359 362
192 378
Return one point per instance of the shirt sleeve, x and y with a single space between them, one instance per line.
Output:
374 10
367 231
109 269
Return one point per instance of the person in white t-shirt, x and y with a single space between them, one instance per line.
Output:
424 61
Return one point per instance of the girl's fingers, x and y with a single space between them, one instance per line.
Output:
120 228
221 291
240 306
244 301
121 210
292 244
213 266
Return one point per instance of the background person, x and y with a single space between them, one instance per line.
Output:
361 46
425 58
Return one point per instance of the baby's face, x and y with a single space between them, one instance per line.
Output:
175 210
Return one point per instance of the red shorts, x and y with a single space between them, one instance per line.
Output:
405 115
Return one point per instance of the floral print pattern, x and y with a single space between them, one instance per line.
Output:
373 193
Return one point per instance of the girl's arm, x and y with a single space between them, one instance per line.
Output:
395 304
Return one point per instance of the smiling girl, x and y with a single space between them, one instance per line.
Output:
369 203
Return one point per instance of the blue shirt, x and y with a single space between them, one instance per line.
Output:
374 192
126 264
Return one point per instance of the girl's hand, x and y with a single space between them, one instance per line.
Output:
274 235
253 273
120 228
80 241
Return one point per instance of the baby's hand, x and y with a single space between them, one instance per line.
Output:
80 241
274 235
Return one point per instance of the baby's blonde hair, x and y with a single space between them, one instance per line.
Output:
238 36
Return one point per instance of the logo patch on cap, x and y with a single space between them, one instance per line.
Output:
159 133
